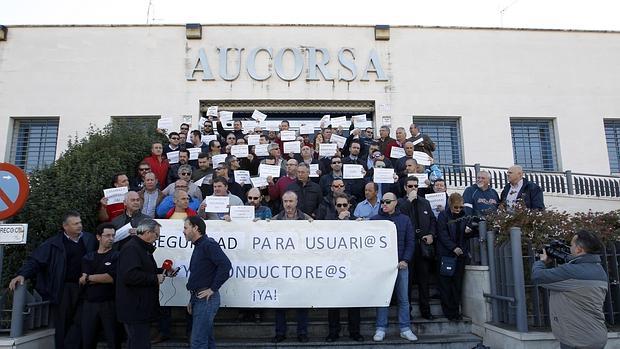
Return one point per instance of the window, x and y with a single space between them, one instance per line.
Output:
446 135
137 122
34 143
533 144
612 134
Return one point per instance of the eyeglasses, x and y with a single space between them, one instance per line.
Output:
458 207
342 205
217 146
380 166
144 169
253 197
174 138
185 128
220 168
337 185
336 162
185 173
387 201
412 185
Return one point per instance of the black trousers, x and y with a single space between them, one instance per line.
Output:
420 273
94 315
138 335
66 317
450 288
333 318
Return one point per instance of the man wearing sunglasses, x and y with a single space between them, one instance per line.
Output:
424 224
173 145
406 245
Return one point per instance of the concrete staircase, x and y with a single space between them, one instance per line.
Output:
230 333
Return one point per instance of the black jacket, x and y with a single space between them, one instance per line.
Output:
309 196
48 263
424 223
137 286
530 192
451 233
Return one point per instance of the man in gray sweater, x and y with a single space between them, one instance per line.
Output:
577 292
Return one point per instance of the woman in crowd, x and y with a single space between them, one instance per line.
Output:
453 232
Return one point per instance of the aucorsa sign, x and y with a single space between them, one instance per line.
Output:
14 190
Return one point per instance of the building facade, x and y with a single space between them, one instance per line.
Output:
549 100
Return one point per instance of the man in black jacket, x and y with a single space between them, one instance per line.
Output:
424 225
519 188
308 193
56 263
137 285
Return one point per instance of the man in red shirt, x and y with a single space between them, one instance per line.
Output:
159 165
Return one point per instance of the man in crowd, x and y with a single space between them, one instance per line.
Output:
181 208
132 215
336 173
255 199
440 187
220 188
401 139
326 207
159 165
196 139
150 195
426 145
173 145
577 293
480 198
370 206
424 224
132 212
519 188
405 242
108 212
173 171
209 268
168 202
97 280
384 140
184 172
237 129
400 163
204 167
291 212
56 264
207 128
276 189
137 183
137 285
308 193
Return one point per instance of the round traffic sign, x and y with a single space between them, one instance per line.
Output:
14 189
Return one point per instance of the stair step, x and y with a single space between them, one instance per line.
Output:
454 341
320 328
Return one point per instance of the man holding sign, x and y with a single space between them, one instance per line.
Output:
209 268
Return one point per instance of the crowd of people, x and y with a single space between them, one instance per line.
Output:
176 180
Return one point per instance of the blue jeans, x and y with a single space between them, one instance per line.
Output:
402 294
203 313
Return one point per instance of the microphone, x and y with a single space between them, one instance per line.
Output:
167 268
167 265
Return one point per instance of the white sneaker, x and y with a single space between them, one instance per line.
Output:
379 336
408 335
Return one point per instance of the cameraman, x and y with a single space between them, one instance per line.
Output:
577 292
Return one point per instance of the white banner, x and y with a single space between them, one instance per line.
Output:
291 264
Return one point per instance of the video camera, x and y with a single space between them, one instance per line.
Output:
557 250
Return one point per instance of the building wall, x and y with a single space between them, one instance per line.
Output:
85 75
